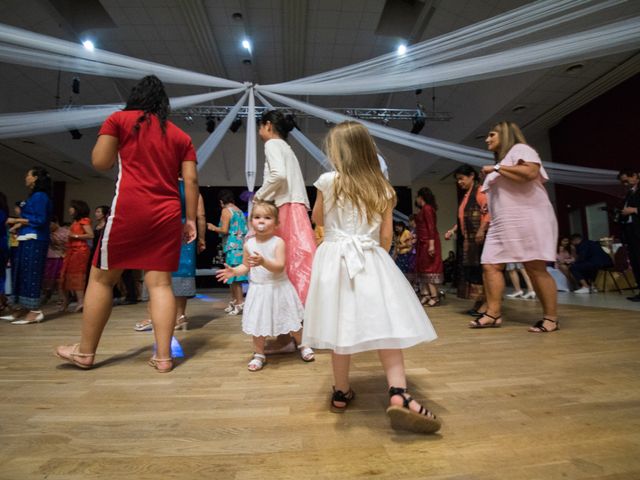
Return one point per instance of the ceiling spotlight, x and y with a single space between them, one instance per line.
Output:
385 121
75 134
518 108
419 120
88 45
211 124
574 68
402 49
328 124
246 44
188 118
75 85
235 125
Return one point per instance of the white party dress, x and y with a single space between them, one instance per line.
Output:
358 299
272 306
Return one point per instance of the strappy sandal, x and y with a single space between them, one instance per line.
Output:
181 323
424 299
71 355
433 302
306 353
539 327
155 363
257 362
340 396
403 418
143 326
493 324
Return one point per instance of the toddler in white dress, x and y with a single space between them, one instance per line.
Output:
358 299
272 306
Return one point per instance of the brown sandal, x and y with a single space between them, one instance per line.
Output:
73 354
403 418
155 363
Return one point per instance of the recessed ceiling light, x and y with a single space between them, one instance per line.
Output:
402 49
246 61
237 16
480 136
518 108
88 45
246 44
574 68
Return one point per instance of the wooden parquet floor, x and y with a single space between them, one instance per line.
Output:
514 405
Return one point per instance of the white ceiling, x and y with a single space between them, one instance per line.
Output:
291 38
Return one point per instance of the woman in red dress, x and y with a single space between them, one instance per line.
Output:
429 267
73 276
144 230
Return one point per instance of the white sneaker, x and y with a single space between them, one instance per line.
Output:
529 295
517 294
594 290
583 290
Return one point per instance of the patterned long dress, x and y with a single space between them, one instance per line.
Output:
234 242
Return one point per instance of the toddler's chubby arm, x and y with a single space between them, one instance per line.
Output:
275 265
223 275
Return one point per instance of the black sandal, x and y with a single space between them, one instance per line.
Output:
403 418
541 328
493 324
340 396
433 302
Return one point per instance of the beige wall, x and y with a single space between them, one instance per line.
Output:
95 192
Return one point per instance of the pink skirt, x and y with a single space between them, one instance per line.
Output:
295 229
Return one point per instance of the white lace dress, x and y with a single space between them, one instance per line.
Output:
358 299
272 306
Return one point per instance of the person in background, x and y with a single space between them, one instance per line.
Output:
403 243
630 220
233 228
32 229
565 257
523 225
513 269
429 267
73 276
590 258
472 224
4 251
55 258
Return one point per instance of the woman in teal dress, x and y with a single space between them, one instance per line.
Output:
233 226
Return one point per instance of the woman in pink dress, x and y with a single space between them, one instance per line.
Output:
145 229
523 225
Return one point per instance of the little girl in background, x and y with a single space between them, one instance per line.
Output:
358 298
272 306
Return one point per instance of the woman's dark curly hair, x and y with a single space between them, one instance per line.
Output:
282 123
429 198
149 96
43 182
467 171
81 209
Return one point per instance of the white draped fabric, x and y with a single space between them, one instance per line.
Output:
211 143
250 164
28 48
559 173
37 123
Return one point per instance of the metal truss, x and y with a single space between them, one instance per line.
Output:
383 115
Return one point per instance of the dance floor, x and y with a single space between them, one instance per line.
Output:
514 405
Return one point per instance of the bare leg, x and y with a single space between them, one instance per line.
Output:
236 293
181 307
297 336
98 301
527 280
162 305
80 296
515 279
393 363
341 364
258 345
545 288
494 288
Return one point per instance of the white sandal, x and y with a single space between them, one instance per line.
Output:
143 326
257 362
306 353
237 309
230 307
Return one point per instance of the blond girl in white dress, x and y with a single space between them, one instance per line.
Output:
272 306
358 299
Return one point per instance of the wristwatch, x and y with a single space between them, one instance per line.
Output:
496 167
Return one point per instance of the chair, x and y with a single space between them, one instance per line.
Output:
620 266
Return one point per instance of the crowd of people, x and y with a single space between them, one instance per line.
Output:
343 287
